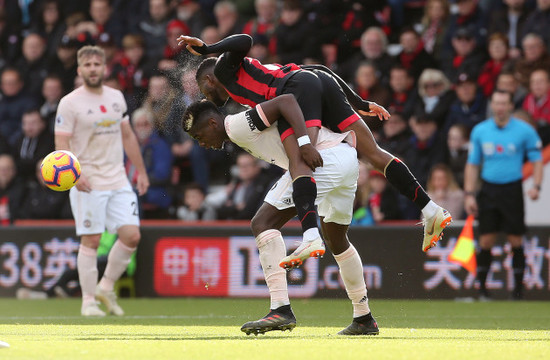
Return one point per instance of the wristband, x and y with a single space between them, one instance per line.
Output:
470 193
303 140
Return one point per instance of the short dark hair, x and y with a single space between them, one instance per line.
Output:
500 91
204 66
197 112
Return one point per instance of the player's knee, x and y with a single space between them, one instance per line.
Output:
258 224
131 239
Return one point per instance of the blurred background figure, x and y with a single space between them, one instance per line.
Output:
457 151
293 34
443 189
193 206
227 18
40 202
245 194
12 191
498 54
537 102
52 92
434 26
383 200
361 211
469 107
157 157
33 144
436 96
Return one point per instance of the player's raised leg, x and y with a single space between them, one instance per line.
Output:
435 218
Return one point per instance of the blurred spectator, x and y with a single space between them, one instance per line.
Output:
134 70
264 23
40 202
112 53
510 21
32 65
395 135
403 91
13 104
374 43
4 147
538 21
443 189
361 211
426 147
535 56
33 144
12 191
413 57
436 95
355 17
465 56
155 204
73 23
498 53
153 28
10 39
193 207
210 35
195 18
457 151
101 12
469 108
227 18
524 116
293 34
260 50
160 99
246 193
64 63
367 85
383 200
434 26
52 92
507 81
469 15
172 50
537 102
49 25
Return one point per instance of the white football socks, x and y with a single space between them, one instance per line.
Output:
351 270
430 209
117 262
86 263
272 249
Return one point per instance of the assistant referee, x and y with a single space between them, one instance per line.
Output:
498 148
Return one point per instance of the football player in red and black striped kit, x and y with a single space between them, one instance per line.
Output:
317 90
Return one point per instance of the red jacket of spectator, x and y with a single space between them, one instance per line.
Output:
539 110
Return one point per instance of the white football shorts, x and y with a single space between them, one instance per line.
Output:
336 185
98 210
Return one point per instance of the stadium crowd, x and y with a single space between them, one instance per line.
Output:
432 63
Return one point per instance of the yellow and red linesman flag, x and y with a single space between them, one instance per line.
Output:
464 252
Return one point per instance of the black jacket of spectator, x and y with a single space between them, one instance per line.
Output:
293 42
254 198
499 22
441 110
11 199
452 66
11 111
33 75
421 156
27 152
538 22
467 115
43 203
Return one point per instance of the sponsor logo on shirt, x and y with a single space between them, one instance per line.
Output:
106 123
249 121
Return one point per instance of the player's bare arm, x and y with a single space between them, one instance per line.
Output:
131 147
364 107
538 171
62 142
471 174
287 107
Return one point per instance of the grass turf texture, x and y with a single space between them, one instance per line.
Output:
210 329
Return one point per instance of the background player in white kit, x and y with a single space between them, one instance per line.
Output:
336 184
93 123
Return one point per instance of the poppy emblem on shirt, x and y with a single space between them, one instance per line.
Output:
500 149
103 109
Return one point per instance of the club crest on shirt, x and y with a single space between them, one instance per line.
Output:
116 107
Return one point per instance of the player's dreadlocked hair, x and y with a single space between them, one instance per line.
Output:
197 112
204 66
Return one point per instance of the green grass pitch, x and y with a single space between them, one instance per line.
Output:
210 329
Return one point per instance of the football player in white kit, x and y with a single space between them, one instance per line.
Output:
93 123
336 184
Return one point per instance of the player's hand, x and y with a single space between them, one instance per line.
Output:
533 193
311 156
376 110
470 205
189 42
142 184
83 184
